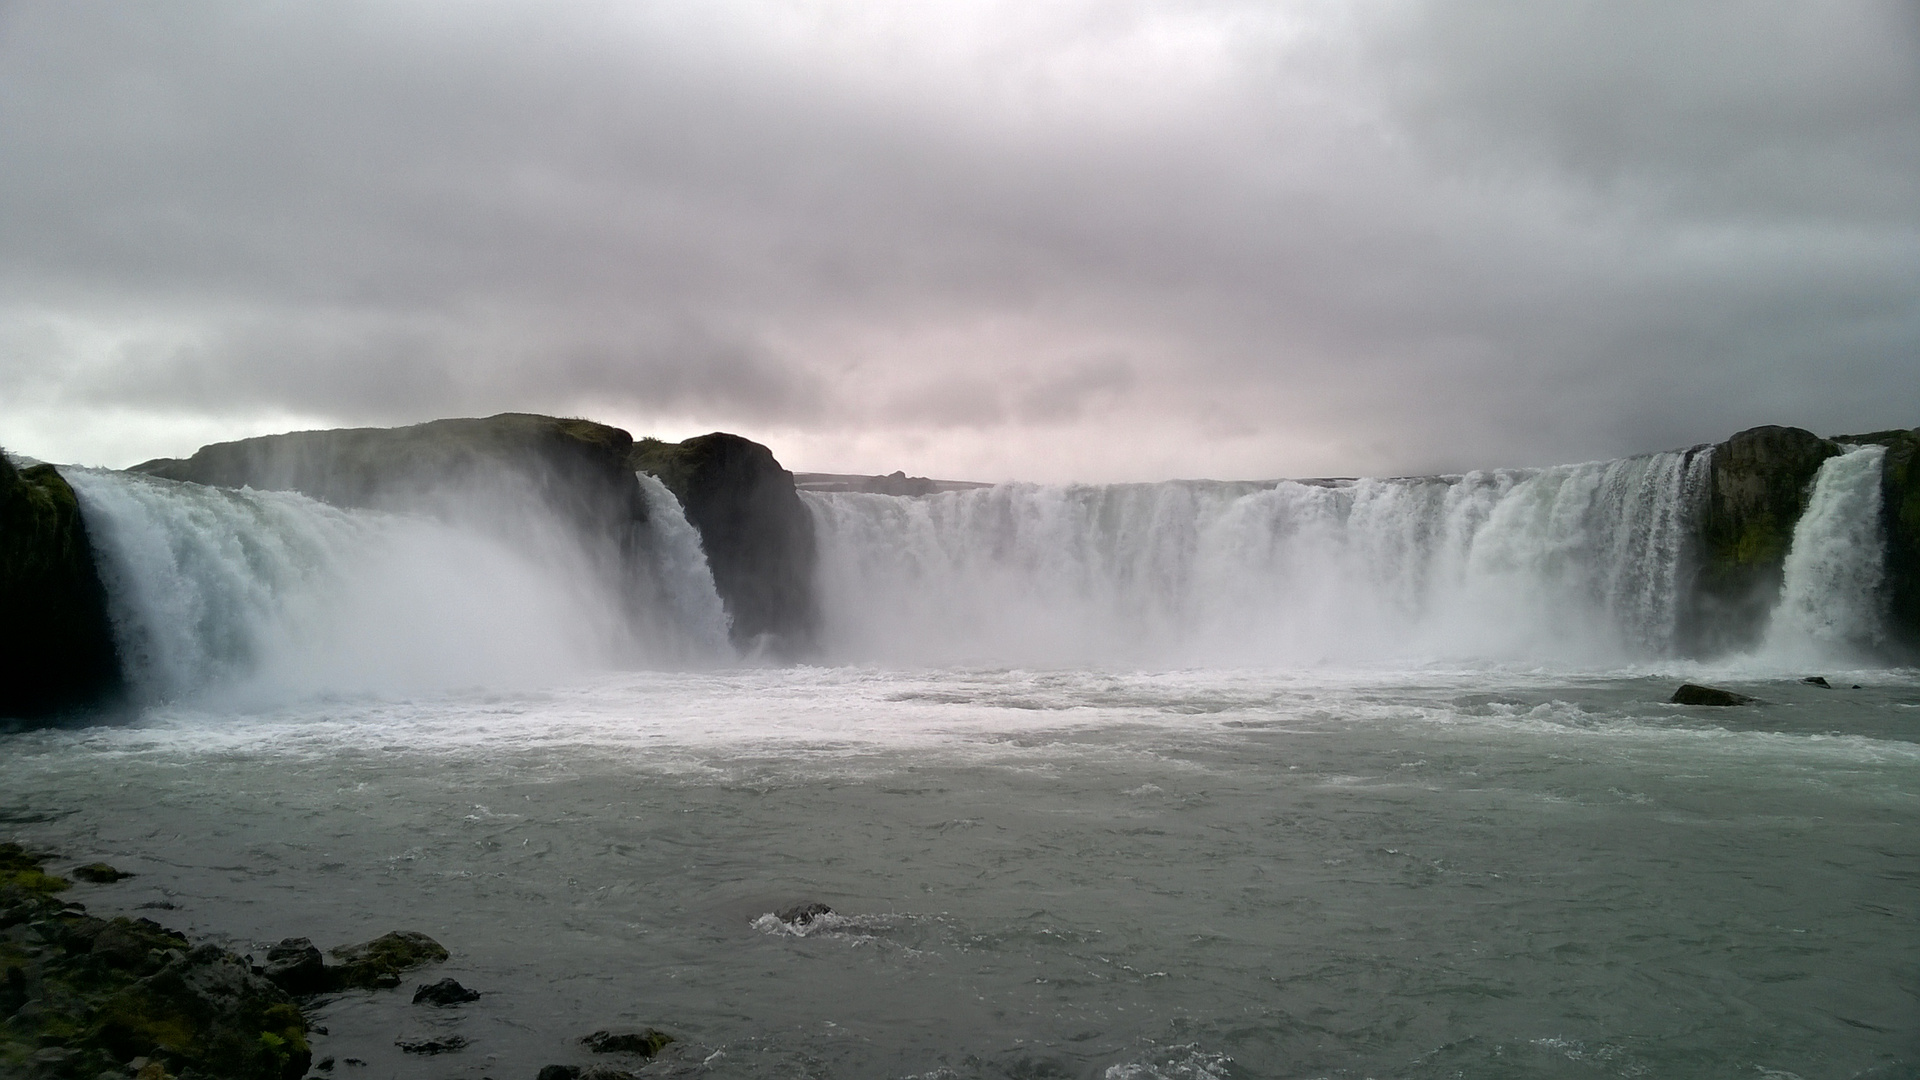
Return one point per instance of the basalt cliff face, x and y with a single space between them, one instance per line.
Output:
757 533
1900 517
56 644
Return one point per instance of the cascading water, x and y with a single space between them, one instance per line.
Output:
253 592
1832 606
680 568
1576 563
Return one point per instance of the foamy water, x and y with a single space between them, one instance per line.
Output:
1066 873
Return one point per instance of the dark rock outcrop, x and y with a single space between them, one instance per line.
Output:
55 635
802 914
431 1044
1758 485
443 993
99 874
105 993
295 965
1695 694
378 963
757 534
1900 515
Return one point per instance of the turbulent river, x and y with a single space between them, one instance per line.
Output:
1347 779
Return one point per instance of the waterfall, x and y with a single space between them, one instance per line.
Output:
1832 606
1576 563
214 590
680 568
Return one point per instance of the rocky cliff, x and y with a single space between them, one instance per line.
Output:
757 534
576 468
56 644
1758 486
1900 517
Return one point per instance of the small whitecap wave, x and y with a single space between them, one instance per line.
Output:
831 924
1187 1062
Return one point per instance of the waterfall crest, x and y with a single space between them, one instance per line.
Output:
1578 563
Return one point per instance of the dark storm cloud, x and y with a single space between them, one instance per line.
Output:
1029 239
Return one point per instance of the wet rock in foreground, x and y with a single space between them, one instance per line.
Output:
86 996
99 873
294 965
378 963
646 1042
444 992
436 1044
802 914
1695 694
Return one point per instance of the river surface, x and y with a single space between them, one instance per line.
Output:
1490 872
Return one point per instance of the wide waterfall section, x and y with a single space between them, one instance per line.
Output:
1832 604
269 594
1579 564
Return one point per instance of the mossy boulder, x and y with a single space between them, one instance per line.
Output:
757 534
56 640
82 995
1758 485
378 963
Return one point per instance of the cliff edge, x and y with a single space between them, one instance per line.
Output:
56 642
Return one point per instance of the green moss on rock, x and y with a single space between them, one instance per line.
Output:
55 635
83 996
378 963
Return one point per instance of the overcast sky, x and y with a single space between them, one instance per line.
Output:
1039 240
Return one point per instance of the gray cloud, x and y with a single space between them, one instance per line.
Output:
1096 238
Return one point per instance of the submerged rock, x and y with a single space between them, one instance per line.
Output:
444 992
432 1044
1695 694
646 1042
99 873
560 1072
55 635
378 963
802 914
1818 680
